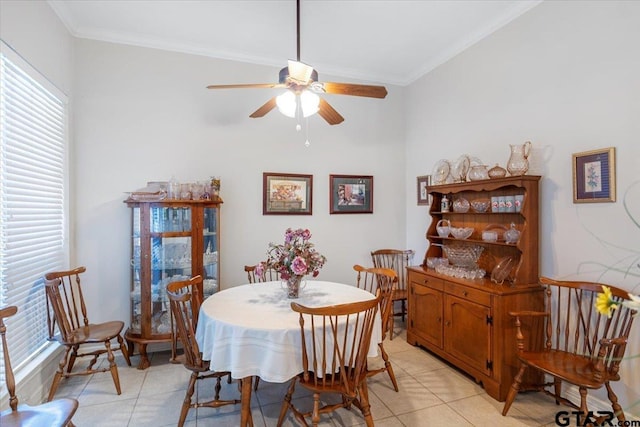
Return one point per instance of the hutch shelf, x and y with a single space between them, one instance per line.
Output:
171 240
467 321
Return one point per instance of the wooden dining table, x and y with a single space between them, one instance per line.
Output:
251 331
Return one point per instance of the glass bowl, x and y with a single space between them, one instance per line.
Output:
461 205
461 232
481 205
462 255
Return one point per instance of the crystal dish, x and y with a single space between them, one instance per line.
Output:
463 255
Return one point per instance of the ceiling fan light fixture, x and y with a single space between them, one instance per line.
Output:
288 101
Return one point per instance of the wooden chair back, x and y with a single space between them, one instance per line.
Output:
55 413
573 324
185 302
384 279
334 353
396 260
268 274
65 304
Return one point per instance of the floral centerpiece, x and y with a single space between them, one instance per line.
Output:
605 303
294 259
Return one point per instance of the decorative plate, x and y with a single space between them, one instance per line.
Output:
460 168
441 172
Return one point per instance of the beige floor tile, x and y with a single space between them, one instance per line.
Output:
108 414
161 410
416 360
411 397
435 416
484 411
101 391
448 384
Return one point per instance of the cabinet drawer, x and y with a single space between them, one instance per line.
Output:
424 280
470 294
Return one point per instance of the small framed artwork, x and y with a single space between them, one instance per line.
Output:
594 176
286 194
423 195
350 194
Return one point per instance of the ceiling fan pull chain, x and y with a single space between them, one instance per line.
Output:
306 142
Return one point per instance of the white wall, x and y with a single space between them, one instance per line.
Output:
145 115
565 76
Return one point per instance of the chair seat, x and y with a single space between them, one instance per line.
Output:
331 384
95 333
56 413
578 370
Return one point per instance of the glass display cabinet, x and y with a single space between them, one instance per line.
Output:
172 240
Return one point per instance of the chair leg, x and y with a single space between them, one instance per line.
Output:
58 375
390 326
123 349
315 415
513 391
404 309
255 385
72 359
286 402
617 409
557 389
388 367
113 367
186 404
365 406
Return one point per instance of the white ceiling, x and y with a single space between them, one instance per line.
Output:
392 42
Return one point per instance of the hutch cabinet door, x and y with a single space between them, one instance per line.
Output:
427 323
467 335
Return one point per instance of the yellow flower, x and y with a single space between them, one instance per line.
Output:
605 303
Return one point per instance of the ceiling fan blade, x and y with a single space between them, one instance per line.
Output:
247 86
268 106
328 113
353 89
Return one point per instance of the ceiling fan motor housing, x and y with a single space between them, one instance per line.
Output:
284 73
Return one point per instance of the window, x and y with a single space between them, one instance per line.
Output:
33 210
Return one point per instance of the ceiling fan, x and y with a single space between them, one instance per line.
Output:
301 98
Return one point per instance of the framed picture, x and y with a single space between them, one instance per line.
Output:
594 176
286 194
423 197
350 194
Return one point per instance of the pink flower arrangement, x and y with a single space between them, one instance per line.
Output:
296 257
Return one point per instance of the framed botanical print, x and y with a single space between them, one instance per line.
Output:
422 184
594 176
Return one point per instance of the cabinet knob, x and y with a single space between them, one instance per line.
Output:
465 293
447 323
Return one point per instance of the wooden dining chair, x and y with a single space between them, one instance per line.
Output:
398 261
268 274
385 280
185 305
67 310
578 345
55 413
335 343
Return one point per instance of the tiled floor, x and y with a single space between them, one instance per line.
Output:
431 394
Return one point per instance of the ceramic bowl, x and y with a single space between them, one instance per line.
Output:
443 227
461 232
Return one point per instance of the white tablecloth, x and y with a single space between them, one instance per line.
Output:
250 330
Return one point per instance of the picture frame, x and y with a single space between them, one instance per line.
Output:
350 194
287 194
424 199
594 176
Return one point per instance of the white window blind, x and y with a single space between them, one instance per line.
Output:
33 214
